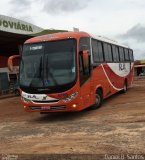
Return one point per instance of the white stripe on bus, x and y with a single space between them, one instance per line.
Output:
118 89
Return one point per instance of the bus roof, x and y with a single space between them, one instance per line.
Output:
64 35
57 36
108 40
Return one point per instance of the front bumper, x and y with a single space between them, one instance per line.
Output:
56 107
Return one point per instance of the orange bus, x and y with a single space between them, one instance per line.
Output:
71 71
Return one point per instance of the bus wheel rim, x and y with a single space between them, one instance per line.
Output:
97 99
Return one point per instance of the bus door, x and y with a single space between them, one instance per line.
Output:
85 84
85 70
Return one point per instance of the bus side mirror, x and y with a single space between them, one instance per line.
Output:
85 56
13 63
86 62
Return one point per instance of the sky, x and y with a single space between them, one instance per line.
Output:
121 20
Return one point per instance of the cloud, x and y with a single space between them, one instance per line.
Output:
136 33
139 54
26 18
135 39
20 5
21 10
62 6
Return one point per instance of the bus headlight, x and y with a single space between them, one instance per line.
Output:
25 100
71 97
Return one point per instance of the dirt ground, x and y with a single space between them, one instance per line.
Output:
117 127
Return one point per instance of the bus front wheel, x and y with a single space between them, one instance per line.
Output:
98 100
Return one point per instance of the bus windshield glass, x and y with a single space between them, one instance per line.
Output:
48 66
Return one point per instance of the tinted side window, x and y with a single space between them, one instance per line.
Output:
121 54
115 53
110 52
126 54
131 55
97 51
100 51
107 52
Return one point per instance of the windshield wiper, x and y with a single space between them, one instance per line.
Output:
48 71
39 70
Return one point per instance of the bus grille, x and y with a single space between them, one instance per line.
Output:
57 108
52 101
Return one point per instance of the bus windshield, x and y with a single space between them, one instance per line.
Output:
48 67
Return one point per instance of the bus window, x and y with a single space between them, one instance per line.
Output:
97 51
131 55
121 54
100 49
110 52
115 53
107 52
126 54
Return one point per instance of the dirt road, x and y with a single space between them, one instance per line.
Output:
117 127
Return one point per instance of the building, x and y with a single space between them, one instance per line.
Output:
13 33
139 68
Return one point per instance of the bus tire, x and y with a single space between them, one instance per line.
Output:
124 90
98 99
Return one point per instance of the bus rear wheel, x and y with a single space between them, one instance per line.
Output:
98 100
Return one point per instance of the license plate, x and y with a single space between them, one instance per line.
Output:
45 108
